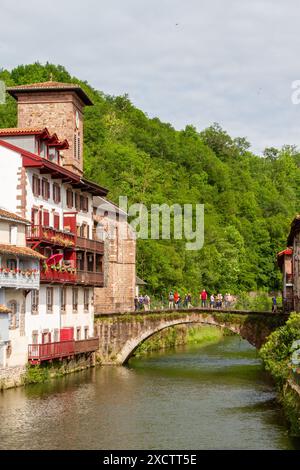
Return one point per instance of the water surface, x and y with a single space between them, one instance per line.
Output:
211 397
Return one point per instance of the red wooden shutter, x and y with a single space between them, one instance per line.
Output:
46 218
69 198
56 221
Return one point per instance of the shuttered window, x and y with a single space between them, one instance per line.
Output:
69 198
36 186
56 193
46 219
56 221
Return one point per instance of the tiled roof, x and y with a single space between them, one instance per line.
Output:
20 251
23 131
42 131
4 214
51 86
4 309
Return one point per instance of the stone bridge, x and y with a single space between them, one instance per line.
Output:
120 334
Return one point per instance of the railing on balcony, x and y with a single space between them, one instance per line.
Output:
50 235
90 245
28 279
86 345
90 278
58 350
55 275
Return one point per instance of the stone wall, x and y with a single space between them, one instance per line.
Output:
118 292
56 111
11 377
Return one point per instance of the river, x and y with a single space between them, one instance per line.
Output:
211 397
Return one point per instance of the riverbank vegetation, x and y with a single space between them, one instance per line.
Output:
276 355
249 200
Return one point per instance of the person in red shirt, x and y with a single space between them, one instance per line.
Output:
176 298
203 297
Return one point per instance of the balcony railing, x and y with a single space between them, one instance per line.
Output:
51 275
90 245
22 280
59 350
51 236
86 345
90 278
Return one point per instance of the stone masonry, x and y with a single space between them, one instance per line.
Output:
118 292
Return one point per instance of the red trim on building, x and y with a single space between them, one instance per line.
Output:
30 160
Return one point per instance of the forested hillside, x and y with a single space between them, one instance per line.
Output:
249 200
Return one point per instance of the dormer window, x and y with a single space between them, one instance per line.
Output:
43 149
53 154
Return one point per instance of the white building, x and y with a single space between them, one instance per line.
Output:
19 276
42 181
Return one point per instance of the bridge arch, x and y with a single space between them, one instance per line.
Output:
131 345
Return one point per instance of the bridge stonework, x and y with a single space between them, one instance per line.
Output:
120 334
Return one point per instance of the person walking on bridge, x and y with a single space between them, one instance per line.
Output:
203 297
176 299
171 300
274 304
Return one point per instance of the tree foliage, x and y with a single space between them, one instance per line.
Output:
249 200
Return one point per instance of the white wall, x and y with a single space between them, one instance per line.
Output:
51 206
55 320
10 163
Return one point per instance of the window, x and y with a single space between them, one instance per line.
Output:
90 262
46 220
53 154
84 231
14 315
84 203
99 263
56 335
43 149
36 186
63 295
86 299
35 337
77 201
56 221
75 146
49 299
75 299
13 233
80 261
78 147
11 264
46 337
45 189
69 198
86 332
56 193
34 302
78 333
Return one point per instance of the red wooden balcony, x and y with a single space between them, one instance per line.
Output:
64 277
90 245
38 233
38 353
90 278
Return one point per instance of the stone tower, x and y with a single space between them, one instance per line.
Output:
59 107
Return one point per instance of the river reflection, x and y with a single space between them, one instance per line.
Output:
213 397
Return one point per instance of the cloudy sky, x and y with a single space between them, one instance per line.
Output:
185 61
